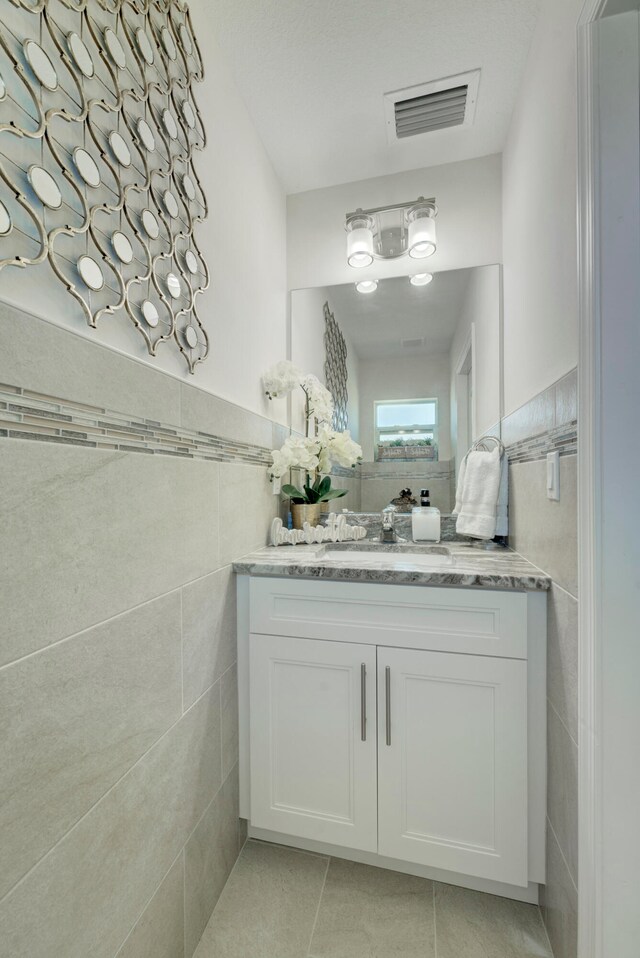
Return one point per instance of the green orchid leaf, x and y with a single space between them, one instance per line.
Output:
334 494
294 493
324 486
312 495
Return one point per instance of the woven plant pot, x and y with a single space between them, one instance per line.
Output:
305 512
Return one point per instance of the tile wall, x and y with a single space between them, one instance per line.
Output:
126 494
545 532
382 481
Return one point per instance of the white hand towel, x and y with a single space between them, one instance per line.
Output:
477 512
459 488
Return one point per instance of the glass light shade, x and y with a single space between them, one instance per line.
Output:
422 237
367 286
421 279
359 246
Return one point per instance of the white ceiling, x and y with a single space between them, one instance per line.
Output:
375 323
313 74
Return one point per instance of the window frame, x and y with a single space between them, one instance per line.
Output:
378 431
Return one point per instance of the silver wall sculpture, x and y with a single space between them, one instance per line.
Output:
335 369
98 133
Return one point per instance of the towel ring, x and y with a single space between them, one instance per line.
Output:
482 444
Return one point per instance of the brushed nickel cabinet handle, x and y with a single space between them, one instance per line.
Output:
363 702
387 686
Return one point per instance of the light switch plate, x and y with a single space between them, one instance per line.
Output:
553 476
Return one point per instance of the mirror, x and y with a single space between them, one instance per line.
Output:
5 220
189 187
41 65
120 149
191 262
150 313
90 272
150 224
189 114
45 187
171 204
168 44
122 247
146 135
86 167
144 46
191 336
187 45
424 376
173 285
115 48
169 123
81 55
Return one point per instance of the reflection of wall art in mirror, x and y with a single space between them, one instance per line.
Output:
335 369
129 90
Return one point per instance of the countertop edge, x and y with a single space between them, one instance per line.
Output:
515 582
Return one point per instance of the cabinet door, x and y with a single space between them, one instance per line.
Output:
313 739
452 762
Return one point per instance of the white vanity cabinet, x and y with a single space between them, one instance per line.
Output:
398 725
313 739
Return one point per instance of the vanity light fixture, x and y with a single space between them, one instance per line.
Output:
367 286
387 232
421 279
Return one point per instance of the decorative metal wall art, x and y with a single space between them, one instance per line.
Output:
98 133
335 369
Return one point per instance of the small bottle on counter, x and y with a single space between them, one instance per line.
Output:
425 524
424 497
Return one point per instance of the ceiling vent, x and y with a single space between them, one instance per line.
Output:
438 105
412 343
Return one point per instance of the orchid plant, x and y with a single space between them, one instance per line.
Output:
320 447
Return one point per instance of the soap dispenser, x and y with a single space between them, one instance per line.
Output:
425 520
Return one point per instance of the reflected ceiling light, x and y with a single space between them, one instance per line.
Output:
388 232
367 286
421 279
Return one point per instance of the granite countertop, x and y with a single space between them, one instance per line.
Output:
450 564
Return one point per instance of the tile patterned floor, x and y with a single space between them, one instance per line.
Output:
283 903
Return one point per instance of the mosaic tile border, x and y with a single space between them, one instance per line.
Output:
29 415
562 439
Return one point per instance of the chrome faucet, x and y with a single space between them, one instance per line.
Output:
387 529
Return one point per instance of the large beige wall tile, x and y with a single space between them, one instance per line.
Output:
44 358
247 507
159 932
545 532
75 717
204 412
210 854
559 903
378 493
209 631
562 797
84 897
94 533
229 718
562 657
